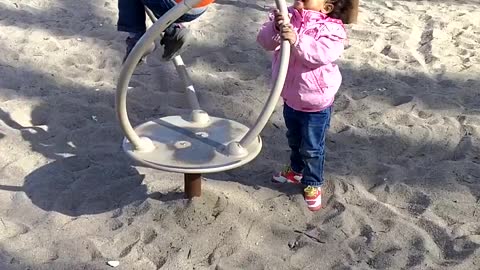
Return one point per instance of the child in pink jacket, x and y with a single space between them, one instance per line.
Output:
316 34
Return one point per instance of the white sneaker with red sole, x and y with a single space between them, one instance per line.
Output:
287 176
313 198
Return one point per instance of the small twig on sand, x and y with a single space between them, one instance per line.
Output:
249 229
1 219
68 222
310 236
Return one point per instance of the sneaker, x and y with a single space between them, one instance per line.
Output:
313 197
131 42
287 176
174 40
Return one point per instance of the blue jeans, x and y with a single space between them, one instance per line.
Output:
131 13
306 133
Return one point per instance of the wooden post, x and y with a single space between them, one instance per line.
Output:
193 185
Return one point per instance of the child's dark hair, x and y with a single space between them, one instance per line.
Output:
342 10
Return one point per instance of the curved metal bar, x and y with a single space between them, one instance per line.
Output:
187 82
143 144
182 72
277 88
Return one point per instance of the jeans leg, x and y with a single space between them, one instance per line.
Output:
160 7
131 13
294 137
314 130
131 16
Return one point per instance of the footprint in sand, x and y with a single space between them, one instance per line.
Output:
149 235
127 242
114 224
52 46
231 86
398 101
387 51
177 101
337 209
137 209
237 56
385 259
204 210
97 77
83 59
102 64
418 203
11 229
359 95
69 62
425 43
416 252
424 114
85 69
453 249
342 103
466 42
15 56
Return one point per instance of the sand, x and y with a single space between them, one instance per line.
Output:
403 160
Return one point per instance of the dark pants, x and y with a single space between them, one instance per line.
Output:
131 13
306 133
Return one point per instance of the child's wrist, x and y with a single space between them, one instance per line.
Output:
295 43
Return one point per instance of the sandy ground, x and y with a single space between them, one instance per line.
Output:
403 164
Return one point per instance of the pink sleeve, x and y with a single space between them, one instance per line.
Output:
268 37
323 49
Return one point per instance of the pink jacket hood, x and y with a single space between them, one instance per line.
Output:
313 78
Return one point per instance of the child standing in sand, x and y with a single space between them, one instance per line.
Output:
316 34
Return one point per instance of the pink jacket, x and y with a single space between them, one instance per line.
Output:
313 78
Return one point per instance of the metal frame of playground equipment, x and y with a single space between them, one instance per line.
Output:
196 143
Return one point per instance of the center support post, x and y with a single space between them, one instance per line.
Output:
193 185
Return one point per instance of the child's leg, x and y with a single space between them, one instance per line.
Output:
175 36
132 19
314 130
131 16
292 174
160 7
294 136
